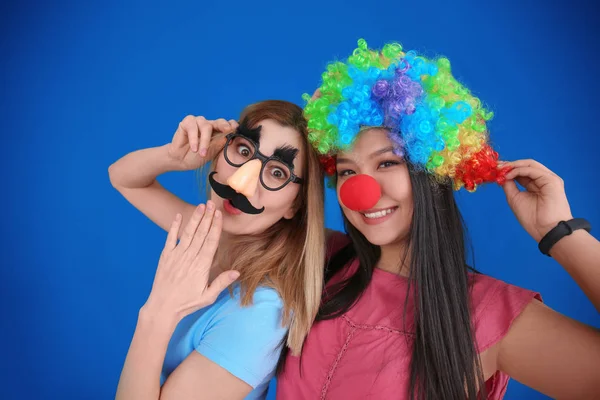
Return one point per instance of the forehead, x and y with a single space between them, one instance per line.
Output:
273 135
366 142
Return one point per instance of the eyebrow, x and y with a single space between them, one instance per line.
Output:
287 154
341 160
252 134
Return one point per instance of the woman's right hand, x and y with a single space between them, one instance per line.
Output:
190 143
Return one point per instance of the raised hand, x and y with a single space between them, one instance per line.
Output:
543 203
189 145
181 285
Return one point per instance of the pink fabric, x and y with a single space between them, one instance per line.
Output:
365 354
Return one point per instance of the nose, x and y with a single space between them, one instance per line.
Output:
245 179
360 192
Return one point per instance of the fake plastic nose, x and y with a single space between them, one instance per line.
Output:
360 192
245 179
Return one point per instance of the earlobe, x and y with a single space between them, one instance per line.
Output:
289 213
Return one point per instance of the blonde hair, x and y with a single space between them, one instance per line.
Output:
290 255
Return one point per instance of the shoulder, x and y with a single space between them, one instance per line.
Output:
495 305
245 340
265 300
267 296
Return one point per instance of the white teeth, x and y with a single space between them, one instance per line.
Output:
380 214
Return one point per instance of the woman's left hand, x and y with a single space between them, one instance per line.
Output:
181 285
543 203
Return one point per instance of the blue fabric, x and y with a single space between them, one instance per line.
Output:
243 340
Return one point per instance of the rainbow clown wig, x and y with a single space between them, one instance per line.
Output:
433 120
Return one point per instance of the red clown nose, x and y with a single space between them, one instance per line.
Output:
360 192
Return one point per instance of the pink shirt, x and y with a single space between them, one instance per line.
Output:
365 354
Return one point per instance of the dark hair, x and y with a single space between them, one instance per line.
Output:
445 362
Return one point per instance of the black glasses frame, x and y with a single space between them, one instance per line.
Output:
263 159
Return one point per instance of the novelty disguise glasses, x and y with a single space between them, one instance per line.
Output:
276 171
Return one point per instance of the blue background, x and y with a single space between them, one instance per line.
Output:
83 83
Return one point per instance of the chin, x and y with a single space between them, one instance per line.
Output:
241 226
381 238
234 227
380 235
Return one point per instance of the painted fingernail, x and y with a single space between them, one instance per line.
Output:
210 205
203 152
233 275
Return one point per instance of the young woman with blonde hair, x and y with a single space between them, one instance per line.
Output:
263 227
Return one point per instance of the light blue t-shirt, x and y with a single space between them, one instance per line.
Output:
243 340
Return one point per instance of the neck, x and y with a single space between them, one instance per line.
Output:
394 258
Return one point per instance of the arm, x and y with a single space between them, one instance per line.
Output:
543 349
180 288
239 349
196 378
540 208
134 175
579 254
552 354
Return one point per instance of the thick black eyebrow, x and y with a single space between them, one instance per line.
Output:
287 154
252 134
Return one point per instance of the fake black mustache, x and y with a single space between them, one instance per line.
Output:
238 200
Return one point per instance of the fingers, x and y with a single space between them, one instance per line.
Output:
216 146
189 128
525 182
533 173
527 163
223 126
316 94
173 234
181 134
510 190
180 137
191 227
219 284
202 231
219 125
206 130
198 131
211 242
534 179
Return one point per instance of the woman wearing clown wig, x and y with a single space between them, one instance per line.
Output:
403 316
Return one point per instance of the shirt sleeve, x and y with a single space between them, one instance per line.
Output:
245 340
496 304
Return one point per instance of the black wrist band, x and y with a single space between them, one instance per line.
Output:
564 228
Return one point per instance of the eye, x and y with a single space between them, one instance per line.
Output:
244 150
278 173
345 172
388 163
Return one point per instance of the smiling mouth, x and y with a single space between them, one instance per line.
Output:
379 213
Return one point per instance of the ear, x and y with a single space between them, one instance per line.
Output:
290 213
